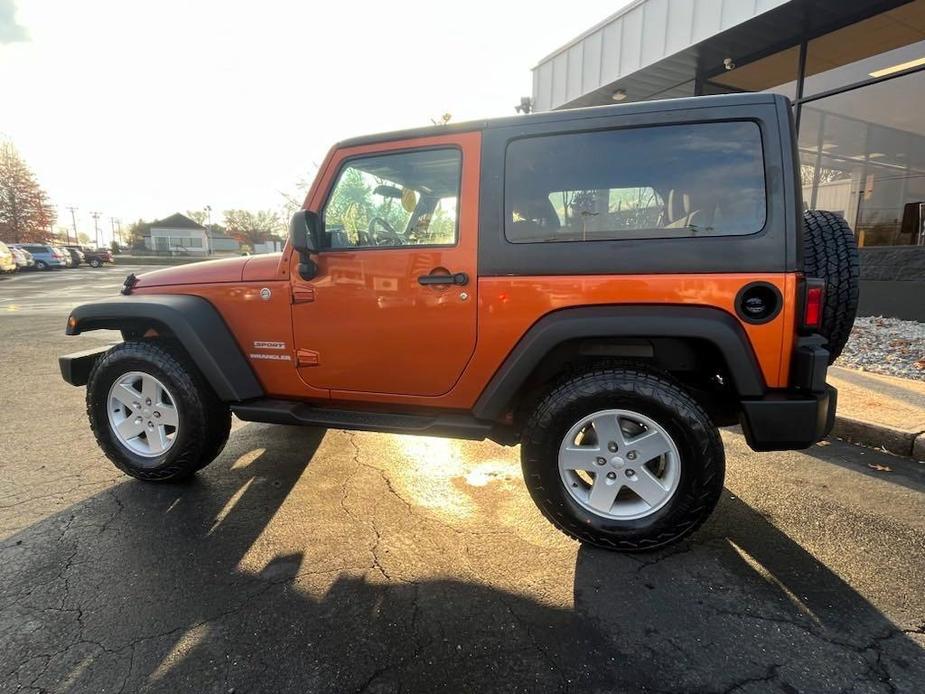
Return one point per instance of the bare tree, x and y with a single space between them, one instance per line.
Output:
198 216
252 228
826 175
25 211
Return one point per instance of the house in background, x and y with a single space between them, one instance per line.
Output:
222 243
178 234
181 235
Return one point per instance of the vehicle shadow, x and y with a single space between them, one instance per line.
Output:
740 604
179 588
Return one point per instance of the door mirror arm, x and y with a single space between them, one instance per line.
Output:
305 235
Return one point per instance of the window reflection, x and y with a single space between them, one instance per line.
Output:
867 162
703 179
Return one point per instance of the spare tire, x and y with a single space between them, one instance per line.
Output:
830 253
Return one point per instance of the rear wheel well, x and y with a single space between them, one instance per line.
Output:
696 364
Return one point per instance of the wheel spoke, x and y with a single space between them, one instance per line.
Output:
129 428
648 446
157 439
603 493
126 395
168 415
573 458
647 486
607 428
149 389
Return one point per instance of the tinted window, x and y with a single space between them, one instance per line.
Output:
407 198
675 180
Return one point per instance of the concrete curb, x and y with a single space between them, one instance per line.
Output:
910 444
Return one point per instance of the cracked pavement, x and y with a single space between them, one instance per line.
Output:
305 560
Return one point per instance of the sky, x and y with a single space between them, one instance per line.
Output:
142 109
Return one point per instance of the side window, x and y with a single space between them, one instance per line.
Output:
406 198
704 179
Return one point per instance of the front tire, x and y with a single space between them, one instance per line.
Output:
152 413
41 265
95 263
623 459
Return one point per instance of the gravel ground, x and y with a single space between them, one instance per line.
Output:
886 346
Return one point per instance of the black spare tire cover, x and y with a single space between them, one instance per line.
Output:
830 253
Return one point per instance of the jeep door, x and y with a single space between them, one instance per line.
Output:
392 308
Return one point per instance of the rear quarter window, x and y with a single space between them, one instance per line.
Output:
700 179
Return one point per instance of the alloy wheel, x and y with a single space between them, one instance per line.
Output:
619 464
143 414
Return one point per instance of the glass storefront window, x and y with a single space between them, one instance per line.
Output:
887 43
862 154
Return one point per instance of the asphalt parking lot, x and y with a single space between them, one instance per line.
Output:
304 560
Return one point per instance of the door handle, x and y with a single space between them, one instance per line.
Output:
459 278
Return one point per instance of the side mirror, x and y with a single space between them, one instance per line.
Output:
304 233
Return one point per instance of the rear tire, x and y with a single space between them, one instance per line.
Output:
830 253
95 263
631 523
202 420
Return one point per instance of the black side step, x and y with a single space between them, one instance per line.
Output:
457 426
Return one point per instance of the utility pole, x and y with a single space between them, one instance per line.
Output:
96 226
112 224
208 209
74 223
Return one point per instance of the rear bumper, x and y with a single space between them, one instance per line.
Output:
788 420
800 416
76 367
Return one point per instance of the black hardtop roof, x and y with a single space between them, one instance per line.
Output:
694 102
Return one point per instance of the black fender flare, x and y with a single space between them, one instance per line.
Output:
193 321
712 325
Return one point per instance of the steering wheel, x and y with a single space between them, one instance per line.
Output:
386 236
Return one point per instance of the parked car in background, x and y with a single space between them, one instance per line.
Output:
74 255
23 259
46 256
94 257
7 264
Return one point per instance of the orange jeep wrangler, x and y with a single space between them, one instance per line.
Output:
603 286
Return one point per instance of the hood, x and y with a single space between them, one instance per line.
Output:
254 268
206 272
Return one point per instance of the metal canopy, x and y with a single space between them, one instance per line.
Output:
657 48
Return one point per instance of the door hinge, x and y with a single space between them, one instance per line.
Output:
306 357
303 295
